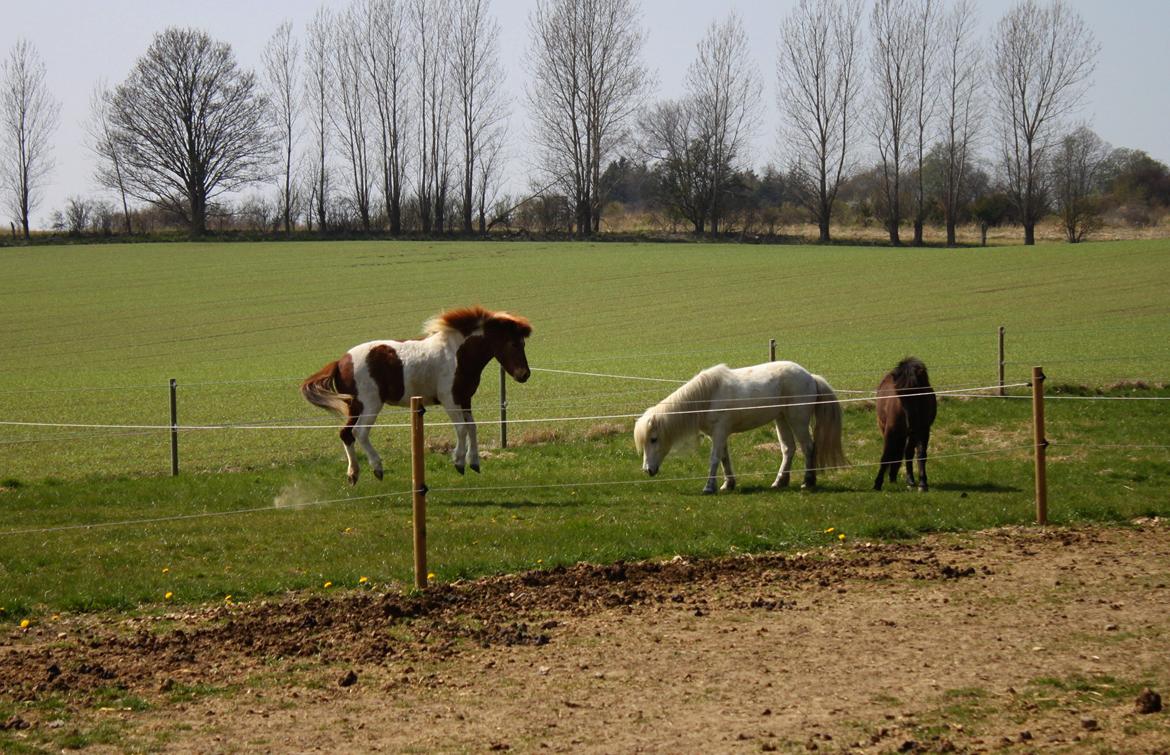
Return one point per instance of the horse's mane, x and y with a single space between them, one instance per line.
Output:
467 320
677 416
910 373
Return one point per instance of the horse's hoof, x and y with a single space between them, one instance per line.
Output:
475 468
922 489
378 473
725 486
459 468
780 484
808 486
352 478
709 491
877 486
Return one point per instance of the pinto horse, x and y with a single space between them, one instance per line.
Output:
720 401
444 367
906 407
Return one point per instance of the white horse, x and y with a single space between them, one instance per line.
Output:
720 401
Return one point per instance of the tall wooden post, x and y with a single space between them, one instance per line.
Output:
503 408
771 349
174 430
1041 445
419 491
1001 362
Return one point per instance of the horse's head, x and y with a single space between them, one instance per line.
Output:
649 439
507 335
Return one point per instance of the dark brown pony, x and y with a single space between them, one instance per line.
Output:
906 406
443 367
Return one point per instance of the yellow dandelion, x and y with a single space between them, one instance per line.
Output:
24 623
540 560
228 598
363 580
166 570
168 596
348 530
430 575
56 617
831 529
328 584
841 536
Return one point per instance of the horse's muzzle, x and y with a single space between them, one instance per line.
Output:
650 470
522 376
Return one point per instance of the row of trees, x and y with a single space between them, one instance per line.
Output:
390 114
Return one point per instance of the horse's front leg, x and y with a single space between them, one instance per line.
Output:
459 455
908 455
922 486
472 439
728 475
718 451
787 446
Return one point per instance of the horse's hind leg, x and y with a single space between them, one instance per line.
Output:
787 447
347 440
362 433
908 455
922 444
809 449
891 458
472 440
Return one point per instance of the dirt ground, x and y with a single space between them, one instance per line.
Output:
1014 639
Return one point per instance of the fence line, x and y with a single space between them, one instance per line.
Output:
253 426
483 488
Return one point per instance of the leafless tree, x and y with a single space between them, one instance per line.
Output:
190 125
925 99
893 63
29 115
431 27
819 81
489 157
670 137
104 145
319 83
387 56
350 112
1075 170
479 92
282 75
725 94
586 76
961 67
1044 58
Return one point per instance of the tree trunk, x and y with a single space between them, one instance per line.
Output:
918 232
824 228
950 231
983 233
1029 233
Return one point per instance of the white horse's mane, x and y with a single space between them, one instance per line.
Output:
677 416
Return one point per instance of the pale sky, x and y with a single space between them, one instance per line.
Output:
80 42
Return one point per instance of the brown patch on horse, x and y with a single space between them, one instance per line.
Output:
385 367
470 360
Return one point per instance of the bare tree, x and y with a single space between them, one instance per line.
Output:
282 73
489 157
478 84
895 72
350 113
960 69
819 82
319 82
725 94
1044 57
29 115
387 55
190 125
1076 171
104 145
670 136
430 24
925 99
586 76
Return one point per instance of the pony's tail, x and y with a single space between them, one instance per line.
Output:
320 389
829 423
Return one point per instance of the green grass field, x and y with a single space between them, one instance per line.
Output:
92 334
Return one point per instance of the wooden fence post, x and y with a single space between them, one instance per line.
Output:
771 349
1041 445
419 491
1001 362
503 408
174 431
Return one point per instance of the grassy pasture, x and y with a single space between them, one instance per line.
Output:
91 335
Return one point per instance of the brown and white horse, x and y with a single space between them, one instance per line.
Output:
444 367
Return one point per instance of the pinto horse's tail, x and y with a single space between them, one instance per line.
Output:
320 389
829 422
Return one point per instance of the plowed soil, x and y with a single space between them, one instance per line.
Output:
1026 639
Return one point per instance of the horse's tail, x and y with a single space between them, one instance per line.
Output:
320 389
829 423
